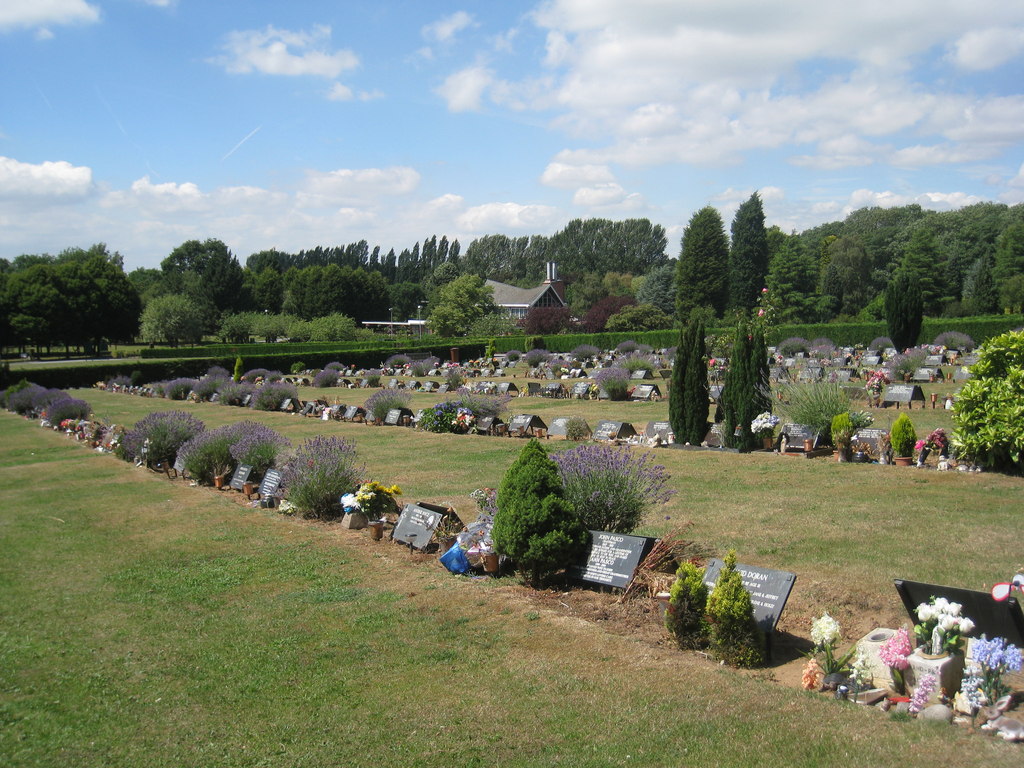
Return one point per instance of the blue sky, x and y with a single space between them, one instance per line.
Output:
145 123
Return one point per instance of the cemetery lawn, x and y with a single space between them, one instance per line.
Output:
149 623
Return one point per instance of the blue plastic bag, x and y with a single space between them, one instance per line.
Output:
455 560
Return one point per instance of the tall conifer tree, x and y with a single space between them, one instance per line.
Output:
903 310
702 269
748 256
688 400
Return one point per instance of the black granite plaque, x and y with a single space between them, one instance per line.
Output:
507 388
795 435
645 392
270 484
715 438
902 393
640 375
286 404
871 360
660 429
394 416
961 374
993 618
416 525
612 558
613 430
241 475
933 360
869 437
769 590
580 389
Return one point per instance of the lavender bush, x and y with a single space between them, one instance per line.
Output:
584 352
208 454
454 377
904 365
513 355
536 357
270 396
255 373
614 381
258 446
178 389
217 372
637 361
23 400
166 431
791 346
322 470
382 401
880 343
954 340
627 346
209 385
67 408
484 405
397 361
335 366
234 392
421 367
610 489
328 377
373 377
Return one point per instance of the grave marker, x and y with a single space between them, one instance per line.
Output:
613 430
715 438
993 618
660 429
270 484
902 393
612 558
769 590
416 525
240 477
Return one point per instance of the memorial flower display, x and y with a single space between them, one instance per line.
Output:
895 654
376 499
941 627
924 690
825 634
992 659
764 424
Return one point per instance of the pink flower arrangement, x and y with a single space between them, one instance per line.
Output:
895 654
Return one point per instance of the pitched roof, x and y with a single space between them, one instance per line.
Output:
509 296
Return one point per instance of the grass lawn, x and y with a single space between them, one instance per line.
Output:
149 623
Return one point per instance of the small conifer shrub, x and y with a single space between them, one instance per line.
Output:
685 617
734 635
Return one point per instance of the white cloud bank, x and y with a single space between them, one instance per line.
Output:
273 51
40 13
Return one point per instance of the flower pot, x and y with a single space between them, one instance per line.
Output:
808 445
768 443
903 461
376 530
491 563
248 489
218 481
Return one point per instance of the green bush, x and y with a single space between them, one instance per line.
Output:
535 525
687 604
814 405
842 430
989 411
208 454
576 429
734 635
902 436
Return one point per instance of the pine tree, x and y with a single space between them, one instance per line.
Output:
922 260
535 524
748 256
793 278
980 295
1009 254
903 310
702 270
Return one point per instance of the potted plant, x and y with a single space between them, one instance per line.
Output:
935 441
763 426
842 435
376 500
902 437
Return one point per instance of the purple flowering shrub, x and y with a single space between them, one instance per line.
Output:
584 352
255 373
209 385
166 432
270 396
397 360
31 399
67 408
791 346
328 377
954 340
880 343
382 401
422 367
335 366
905 364
536 357
178 389
443 417
234 392
482 404
614 381
373 377
512 355
627 346
637 361
258 446
322 470
208 453
610 489
217 372
454 377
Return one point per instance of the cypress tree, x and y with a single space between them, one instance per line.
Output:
746 393
535 524
703 266
748 256
903 310
688 398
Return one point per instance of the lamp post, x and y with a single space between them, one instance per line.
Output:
419 326
391 323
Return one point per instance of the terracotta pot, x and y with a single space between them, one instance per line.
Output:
376 530
768 442
491 563
218 481
808 445
248 488
903 461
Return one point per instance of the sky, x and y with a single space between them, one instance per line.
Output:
145 123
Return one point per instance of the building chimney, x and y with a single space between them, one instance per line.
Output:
553 281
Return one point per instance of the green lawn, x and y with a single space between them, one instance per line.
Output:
148 623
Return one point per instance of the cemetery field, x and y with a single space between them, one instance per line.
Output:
146 622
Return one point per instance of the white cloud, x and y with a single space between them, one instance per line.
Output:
169 196
56 180
339 92
282 52
38 13
347 186
938 154
497 217
464 90
983 49
569 176
444 29
936 201
599 195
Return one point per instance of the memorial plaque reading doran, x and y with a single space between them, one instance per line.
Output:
769 590
270 484
241 476
612 558
416 525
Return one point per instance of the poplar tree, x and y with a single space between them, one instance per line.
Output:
748 256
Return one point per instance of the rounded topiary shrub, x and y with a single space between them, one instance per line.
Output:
687 603
271 396
535 524
734 635
902 436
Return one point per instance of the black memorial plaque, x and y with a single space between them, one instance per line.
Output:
353 411
507 388
962 373
612 558
558 427
442 389
869 437
992 618
902 393
613 430
923 374
769 590
580 389
286 404
933 360
179 466
241 476
394 416
795 435
715 438
641 374
871 360
645 392
416 525
270 484
660 429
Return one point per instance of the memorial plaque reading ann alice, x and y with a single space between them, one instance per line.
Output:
612 558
